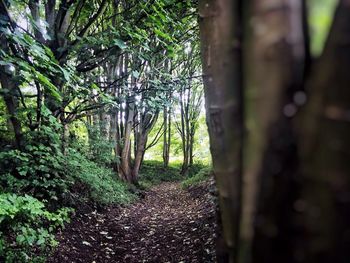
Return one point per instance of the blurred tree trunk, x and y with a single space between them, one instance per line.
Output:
296 185
275 71
324 129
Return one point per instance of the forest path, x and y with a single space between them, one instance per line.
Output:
169 225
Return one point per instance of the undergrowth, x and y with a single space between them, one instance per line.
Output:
27 227
154 172
103 184
201 176
39 185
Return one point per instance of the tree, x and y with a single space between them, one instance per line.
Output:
222 67
190 102
113 65
290 209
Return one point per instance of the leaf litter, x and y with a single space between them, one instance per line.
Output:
169 225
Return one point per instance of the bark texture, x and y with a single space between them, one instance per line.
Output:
221 31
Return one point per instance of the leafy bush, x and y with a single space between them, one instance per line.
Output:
103 184
37 169
154 172
47 178
201 176
26 228
196 168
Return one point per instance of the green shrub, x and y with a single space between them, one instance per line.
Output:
37 169
104 186
27 228
196 168
201 176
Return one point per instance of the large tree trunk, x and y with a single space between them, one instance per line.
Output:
296 179
221 29
275 71
147 122
324 131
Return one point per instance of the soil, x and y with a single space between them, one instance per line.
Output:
169 224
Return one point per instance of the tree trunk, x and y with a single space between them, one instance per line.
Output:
221 29
184 104
166 137
324 130
140 150
190 153
275 66
104 124
11 105
125 169
7 83
296 185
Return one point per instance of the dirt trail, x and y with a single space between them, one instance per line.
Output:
169 225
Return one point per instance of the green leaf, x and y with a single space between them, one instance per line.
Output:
49 87
120 43
162 34
135 74
40 241
23 172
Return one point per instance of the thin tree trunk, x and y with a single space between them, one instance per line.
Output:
191 145
169 137
184 140
165 137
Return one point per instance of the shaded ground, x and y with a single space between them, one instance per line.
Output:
169 225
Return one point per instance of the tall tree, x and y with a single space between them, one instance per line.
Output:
295 175
221 33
